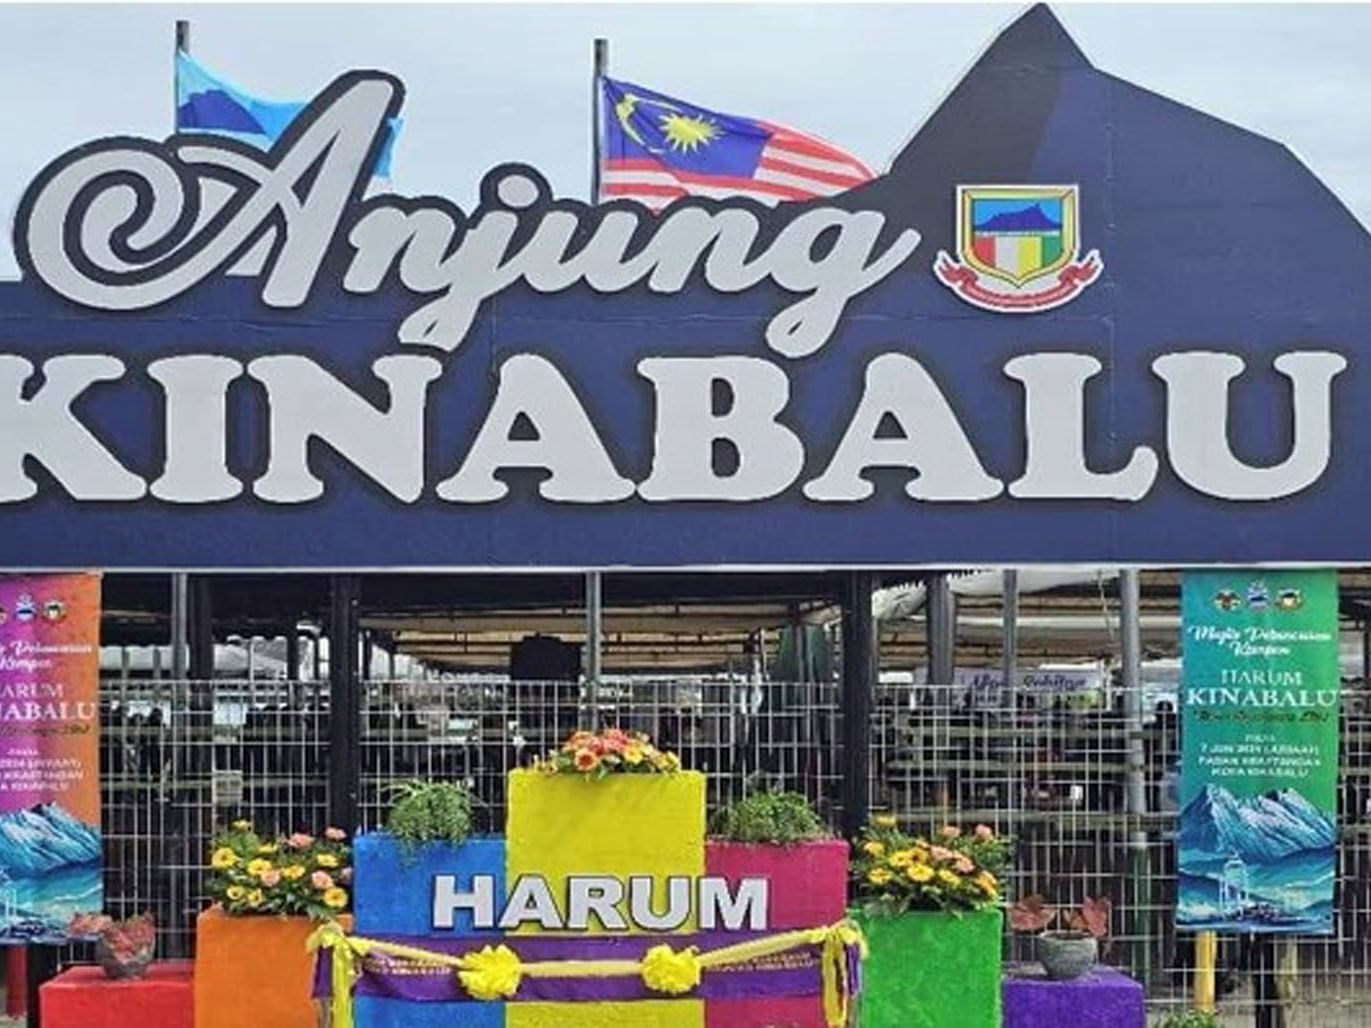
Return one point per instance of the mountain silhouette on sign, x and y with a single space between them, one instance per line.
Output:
1026 219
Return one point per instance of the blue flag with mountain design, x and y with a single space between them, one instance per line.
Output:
205 102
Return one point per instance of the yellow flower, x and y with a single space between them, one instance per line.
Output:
254 898
242 826
665 970
874 848
235 892
326 860
884 821
879 876
257 866
268 848
491 973
223 859
987 883
633 754
901 858
336 898
294 872
920 873
949 877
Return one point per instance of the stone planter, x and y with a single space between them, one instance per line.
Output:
1067 955
807 888
932 970
253 971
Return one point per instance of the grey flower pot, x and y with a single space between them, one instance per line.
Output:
1067 955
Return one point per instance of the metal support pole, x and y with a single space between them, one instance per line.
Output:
942 631
601 65
180 619
192 732
345 709
368 655
1135 799
292 654
40 965
1009 630
859 683
200 637
182 45
594 642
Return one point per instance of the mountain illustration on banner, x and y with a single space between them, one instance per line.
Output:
49 861
1022 219
1267 857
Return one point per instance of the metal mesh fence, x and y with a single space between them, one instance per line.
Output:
181 758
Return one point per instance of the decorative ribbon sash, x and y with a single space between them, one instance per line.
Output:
824 961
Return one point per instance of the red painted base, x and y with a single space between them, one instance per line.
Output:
82 997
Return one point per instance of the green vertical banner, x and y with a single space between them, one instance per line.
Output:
1259 772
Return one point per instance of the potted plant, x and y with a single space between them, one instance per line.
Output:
779 837
268 894
930 908
1069 952
123 948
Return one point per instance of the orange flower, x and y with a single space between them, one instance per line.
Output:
587 760
579 740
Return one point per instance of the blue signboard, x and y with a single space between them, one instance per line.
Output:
1073 322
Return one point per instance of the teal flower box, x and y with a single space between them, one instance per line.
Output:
932 970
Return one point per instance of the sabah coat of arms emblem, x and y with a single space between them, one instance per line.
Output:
1018 248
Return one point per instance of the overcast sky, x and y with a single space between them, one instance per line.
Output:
491 83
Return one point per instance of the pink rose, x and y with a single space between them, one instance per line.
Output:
950 831
985 832
965 866
321 880
299 841
336 834
941 853
345 875
271 878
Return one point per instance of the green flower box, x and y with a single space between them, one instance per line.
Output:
932 970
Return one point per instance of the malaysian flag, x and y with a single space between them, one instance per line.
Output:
658 148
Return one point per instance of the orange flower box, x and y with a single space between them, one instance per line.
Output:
253 971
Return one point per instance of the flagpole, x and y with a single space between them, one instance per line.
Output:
597 117
182 47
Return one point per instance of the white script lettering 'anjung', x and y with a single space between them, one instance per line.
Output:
125 225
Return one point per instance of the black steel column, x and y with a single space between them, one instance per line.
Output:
188 818
201 622
292 654
40 965
345 702
941 616
859 681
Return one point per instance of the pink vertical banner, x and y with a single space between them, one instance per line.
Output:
50 855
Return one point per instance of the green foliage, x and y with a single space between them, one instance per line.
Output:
1188 1019
429 812
773 818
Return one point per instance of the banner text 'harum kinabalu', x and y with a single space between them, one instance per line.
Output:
125 225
